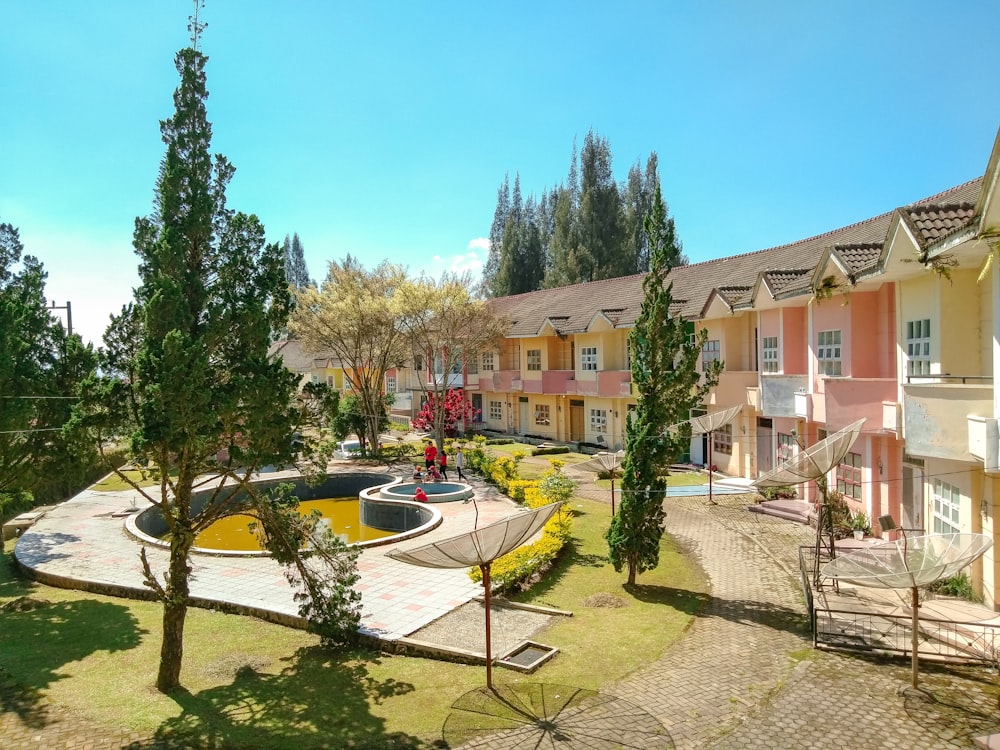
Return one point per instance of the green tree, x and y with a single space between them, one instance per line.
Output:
187 367
668 385
600 251
355 315
500 214
296 270
41 369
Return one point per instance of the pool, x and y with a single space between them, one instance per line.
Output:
346 499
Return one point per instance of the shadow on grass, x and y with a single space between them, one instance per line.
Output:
321 699
35 643
744 611
12 582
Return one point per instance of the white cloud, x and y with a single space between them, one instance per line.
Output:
480 243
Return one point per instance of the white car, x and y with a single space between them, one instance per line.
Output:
348 449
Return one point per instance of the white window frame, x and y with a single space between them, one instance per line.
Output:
722 440
918 347
849 476
496 411
488 362
390 383
599 420
534 359
543 415
588 358
786 447
947 511
769 354
711 351
829 349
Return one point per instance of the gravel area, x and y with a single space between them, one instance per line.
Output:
465 628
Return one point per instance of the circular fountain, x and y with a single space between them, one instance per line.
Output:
351 503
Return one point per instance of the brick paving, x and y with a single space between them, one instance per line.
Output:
744 676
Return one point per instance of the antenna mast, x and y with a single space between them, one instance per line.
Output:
194 25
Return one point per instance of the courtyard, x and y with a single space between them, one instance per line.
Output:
742 675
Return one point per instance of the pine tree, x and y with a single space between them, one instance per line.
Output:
666 379
193 376
500 213
40 370
296 270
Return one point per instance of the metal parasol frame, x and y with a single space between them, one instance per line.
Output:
707 424
480 547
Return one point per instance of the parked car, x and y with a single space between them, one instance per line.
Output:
348 449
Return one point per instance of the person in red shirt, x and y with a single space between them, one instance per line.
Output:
430 453
443 464
419 495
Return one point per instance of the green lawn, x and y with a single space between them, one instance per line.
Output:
251 683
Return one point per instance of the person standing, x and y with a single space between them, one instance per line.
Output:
460 463
430 453
443 464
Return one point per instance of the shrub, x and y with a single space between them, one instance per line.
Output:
776 493
516 489
518 566
959 586
499 441
549 450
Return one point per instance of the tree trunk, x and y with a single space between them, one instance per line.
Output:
631 572
175 608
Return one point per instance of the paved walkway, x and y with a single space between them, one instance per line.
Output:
82 543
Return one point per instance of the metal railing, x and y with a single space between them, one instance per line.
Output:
870 630
949 377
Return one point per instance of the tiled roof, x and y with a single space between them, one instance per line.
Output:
859 256
788 268
935 221
781 282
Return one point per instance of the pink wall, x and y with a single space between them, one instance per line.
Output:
831 315
795 346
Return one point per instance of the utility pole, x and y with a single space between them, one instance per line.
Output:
69 315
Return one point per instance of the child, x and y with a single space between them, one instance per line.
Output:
443 464
419 495
460 463
418 475
433 474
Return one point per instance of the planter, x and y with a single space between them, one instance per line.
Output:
859 534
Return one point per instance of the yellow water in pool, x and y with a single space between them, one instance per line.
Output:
233 532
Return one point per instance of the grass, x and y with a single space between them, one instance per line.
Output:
114 483
250 683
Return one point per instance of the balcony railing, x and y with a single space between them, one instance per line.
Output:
846 400
614 383
936 417
732 388
777 394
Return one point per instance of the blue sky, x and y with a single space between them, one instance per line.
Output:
384 129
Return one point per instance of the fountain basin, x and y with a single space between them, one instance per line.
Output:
437 492
404 518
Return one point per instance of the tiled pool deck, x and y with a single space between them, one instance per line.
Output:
82 543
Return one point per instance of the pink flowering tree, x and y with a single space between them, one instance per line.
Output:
441 416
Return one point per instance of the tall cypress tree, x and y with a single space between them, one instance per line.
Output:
492 268
196 378
668 385
296 270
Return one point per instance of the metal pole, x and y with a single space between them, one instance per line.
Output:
485 568
915 604
612 492
710 500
